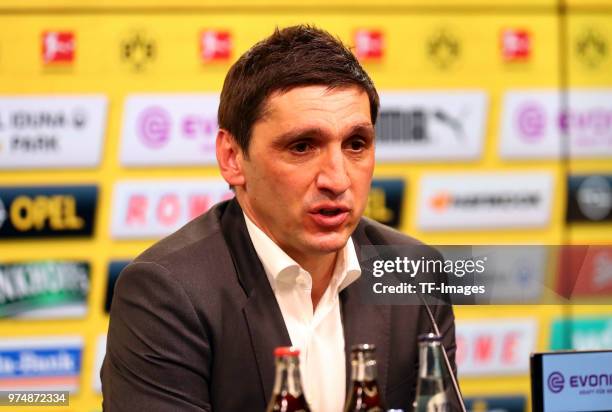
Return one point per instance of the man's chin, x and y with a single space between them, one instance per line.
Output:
329 243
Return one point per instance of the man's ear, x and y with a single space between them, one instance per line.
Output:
230 158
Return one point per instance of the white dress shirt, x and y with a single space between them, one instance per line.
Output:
318 334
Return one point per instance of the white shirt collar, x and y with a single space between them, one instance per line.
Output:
280 267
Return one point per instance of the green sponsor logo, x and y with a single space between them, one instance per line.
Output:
26 287
582 333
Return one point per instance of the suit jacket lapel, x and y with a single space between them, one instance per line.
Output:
365 323
262 313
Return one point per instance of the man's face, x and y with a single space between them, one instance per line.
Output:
309 168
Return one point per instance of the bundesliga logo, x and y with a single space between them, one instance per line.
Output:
58 47
515 44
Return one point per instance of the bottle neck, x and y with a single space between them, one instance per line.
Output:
430 360
363 366
288 379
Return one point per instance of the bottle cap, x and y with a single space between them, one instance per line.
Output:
363 347
430 337
286 351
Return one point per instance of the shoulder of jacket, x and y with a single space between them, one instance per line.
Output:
195 233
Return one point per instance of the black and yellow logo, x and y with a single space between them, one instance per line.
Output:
443 49
138 51
591 48
52 211
385 201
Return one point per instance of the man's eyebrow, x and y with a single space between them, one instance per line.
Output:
305 132
298 133
363 128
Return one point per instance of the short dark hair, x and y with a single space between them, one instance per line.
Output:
295 56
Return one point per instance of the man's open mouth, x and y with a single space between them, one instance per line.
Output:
330 212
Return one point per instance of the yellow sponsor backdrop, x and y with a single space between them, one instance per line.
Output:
174 28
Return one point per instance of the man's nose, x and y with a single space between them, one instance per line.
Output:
333 175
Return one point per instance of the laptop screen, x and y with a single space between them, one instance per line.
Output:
572 381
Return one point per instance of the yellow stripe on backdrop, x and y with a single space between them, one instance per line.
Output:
274 4
408 64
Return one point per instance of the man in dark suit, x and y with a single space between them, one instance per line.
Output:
195 318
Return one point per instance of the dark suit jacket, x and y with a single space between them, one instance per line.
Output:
194 323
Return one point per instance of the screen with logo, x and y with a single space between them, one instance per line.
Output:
572 381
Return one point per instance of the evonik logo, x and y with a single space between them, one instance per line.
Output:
173 129
531 121
555 382
154 126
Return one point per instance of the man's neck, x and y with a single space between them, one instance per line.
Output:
321 270
320 267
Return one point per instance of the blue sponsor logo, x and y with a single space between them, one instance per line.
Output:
40 366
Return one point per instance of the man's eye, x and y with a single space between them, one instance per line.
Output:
301 147
356 144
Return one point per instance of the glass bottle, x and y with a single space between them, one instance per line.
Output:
364 394
431 395
288 394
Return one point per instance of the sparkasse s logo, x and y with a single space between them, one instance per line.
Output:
495 200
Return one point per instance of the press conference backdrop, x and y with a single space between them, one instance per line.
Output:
495 128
